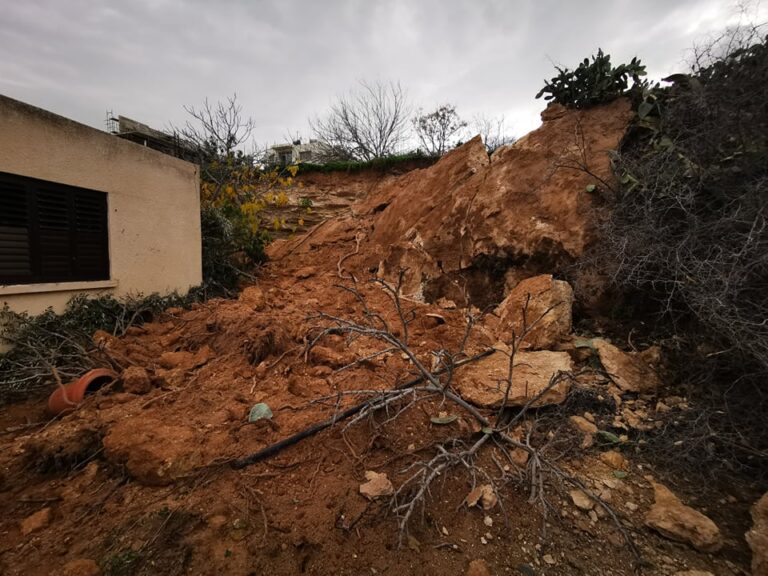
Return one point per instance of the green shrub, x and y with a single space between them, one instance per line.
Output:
228 242
593 83
383 164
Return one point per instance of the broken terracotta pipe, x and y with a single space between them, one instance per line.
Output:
69 396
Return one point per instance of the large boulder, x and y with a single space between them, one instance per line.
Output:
483 383
526 205
757 537
541 306
676 521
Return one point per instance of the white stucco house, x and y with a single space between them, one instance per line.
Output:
83 211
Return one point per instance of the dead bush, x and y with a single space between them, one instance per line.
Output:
688 238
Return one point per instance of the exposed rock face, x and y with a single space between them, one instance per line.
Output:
547 305
483 382
527 204
630 371
758 537
676 521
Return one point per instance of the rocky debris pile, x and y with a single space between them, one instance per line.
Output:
473 231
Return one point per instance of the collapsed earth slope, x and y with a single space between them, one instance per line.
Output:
147 477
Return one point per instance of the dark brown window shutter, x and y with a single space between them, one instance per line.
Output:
91 254
54 227
15 249
51 233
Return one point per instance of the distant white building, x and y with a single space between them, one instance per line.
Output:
297 152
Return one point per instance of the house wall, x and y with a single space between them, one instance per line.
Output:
153 202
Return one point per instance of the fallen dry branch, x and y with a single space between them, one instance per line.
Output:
273 449
413 492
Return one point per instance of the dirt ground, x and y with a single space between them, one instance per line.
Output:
139 480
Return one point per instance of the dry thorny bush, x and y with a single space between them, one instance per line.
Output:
687 242
507 429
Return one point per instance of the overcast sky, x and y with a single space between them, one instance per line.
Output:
287 59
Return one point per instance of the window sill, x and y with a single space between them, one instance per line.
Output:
13 289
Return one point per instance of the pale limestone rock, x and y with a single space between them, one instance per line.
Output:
757 537
377 485
548 317
630 371
483 383
676 521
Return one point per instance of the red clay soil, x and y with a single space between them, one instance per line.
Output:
141 483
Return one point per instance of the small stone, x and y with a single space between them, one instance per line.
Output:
676 521
631 506
81 567
478 568
488 521
136 380
593 516
581 500
757 537
587 429
483 540
520 457
549 559
378 485
583 425
36 521
444 530
254 297
630 371
446 304
614 459
484 495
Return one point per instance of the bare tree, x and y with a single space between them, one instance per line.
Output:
436 129
216 130
492 131
370 122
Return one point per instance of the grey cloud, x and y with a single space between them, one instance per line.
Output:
287 59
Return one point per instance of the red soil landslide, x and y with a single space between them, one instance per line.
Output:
139 480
